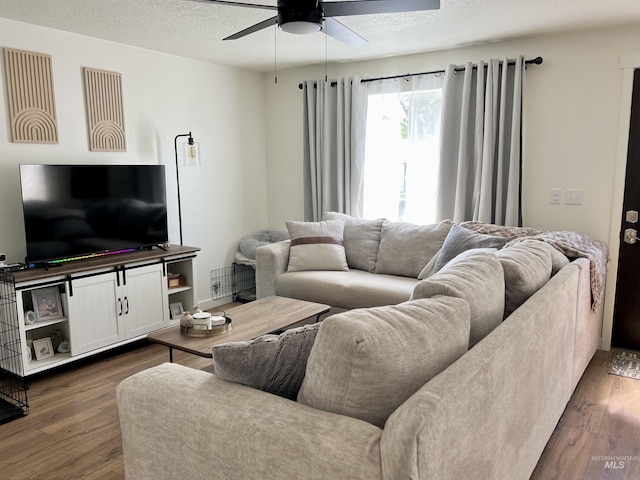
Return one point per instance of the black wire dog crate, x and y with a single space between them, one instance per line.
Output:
244 283
13 389
237 281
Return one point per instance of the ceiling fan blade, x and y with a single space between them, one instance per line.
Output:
369 7
339 31
239 4
254 28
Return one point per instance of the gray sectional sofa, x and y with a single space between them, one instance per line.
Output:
462 374
385 261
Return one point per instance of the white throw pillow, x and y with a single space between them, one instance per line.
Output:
317 246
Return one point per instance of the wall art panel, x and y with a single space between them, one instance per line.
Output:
105 113
32 111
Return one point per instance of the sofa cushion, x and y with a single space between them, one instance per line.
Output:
477 277
361 240
460 239
317 246
558 259
272 363
367 362
406 248
352 289
527 267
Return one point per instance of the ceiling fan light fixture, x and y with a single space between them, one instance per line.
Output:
310 16
301 27
298 19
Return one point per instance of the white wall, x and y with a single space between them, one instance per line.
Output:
571 124
164 96
572 118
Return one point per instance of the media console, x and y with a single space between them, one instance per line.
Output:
96 304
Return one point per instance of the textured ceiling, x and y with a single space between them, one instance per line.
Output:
195 29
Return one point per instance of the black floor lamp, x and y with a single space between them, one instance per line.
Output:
191 159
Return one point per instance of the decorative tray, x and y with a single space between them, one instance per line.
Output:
202 331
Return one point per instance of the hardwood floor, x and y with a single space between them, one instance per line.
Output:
598 436
72 430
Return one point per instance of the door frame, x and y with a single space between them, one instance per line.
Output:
628 63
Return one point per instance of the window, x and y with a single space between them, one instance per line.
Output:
402 149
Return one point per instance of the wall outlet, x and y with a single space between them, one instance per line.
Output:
554 198
574 196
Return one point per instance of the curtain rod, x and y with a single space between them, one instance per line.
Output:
533 61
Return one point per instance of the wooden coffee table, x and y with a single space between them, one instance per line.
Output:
248 321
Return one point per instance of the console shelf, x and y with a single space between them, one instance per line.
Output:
178 290
44 323
100 303
36 366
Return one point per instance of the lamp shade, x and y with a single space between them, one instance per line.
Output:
191 153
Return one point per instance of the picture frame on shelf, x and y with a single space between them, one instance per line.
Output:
47 304
43 348
176 310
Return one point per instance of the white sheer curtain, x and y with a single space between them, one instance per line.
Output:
401 149
481 146
333 147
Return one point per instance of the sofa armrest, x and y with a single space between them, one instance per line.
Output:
178 422
271 260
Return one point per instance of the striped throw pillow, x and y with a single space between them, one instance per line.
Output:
317 246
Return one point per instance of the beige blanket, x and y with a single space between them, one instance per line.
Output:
572 244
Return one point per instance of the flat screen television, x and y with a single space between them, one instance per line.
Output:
74 211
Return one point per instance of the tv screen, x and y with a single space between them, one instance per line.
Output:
72 211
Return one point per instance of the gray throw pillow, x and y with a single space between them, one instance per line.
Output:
460 239
272 363
361 240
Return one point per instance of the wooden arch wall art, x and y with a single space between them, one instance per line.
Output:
105 113
32 111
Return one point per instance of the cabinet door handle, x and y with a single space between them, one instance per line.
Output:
126 299
120 303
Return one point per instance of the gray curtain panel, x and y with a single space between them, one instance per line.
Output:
481 143
333 147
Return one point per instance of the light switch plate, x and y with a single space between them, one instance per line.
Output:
574 196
